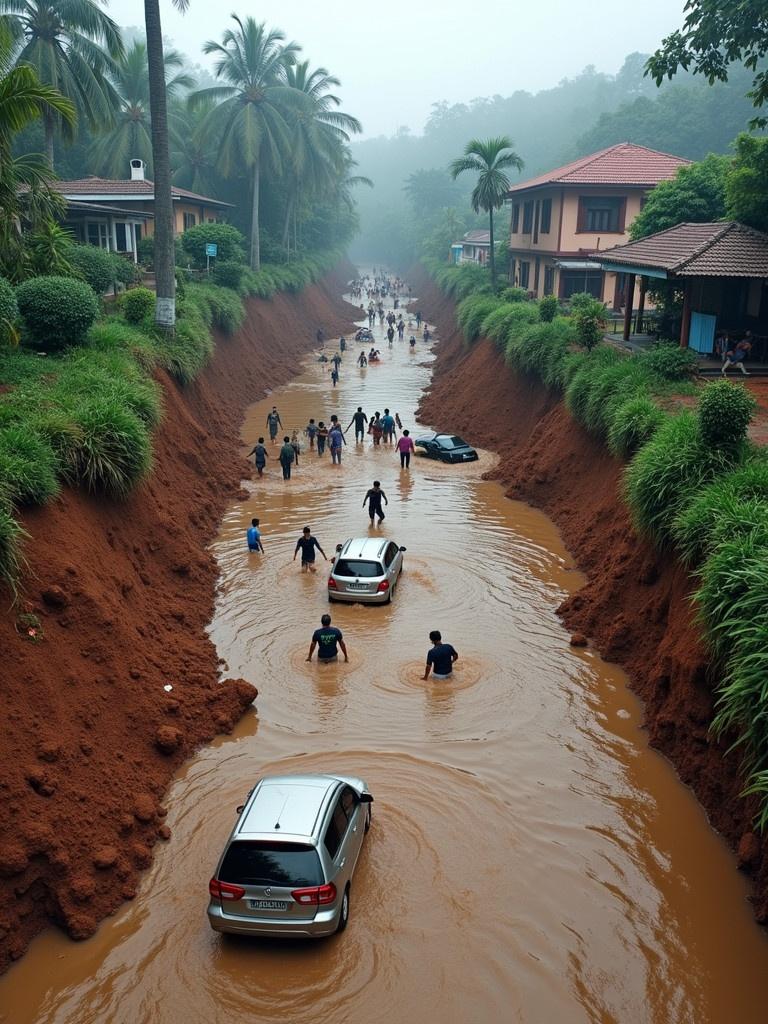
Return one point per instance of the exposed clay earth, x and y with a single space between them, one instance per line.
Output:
120 682
636 606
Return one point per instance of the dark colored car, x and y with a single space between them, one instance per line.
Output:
446 447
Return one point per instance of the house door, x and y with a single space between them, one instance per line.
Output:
701 337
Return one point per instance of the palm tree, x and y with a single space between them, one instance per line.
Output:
253 106
164 258
25 193
72 45
194 147
131 135
489 158
319 133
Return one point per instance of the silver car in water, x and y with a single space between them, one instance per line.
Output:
365 569
287 867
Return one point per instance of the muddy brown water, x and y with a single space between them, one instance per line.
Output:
531 859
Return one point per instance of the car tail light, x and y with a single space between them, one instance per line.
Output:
332 583
316 896
225 891
383 587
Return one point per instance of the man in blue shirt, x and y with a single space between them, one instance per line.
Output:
254 537
327 639
388 426
440 658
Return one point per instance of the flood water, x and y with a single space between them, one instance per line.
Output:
531 860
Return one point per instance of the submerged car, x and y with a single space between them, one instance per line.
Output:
287 867
446 448
365 569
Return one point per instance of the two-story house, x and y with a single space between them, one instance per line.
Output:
561 217
116 214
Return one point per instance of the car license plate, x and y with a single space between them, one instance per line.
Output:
357 586
268 904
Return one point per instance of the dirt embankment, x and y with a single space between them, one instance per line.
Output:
90 734
635 607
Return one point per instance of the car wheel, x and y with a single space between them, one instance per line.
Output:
344 912
368 819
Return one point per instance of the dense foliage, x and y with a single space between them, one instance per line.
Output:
57 311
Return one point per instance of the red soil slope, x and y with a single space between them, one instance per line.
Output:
90 737
635 607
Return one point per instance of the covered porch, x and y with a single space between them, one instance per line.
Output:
108 227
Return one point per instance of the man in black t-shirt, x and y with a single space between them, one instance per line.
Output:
327 639
307 544
359 419
440 658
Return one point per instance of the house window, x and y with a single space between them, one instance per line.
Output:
546 216
512 266
573 282
123 233
525 270
98 234
527 217
515 218
549 280
536 268
601 213
189 221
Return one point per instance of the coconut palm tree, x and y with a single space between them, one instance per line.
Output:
488 158
72 45
25 193
253 105
164 258
194 147
319 133
131 135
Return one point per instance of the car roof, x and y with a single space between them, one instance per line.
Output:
368 548
287 806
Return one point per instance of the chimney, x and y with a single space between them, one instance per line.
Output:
137 170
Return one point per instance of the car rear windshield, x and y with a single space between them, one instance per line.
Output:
452 442
357 567
254 863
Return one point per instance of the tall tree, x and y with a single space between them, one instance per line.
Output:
746 187
72 45
164 259
489 159
695 194
131 135
194 147
254 105
715 35
319 133
26 198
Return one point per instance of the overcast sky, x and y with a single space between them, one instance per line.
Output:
398 57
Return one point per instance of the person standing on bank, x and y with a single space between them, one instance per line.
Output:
260 453
286 456
327 639
406 448
307 544
273 422
441 658
373 500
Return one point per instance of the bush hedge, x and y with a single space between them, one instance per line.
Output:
57 311
95 266
230 242
138 304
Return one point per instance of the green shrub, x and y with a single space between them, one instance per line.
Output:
667 472
57 311
231 243
548 308
725 412
94 265
589 320
580 386
633 423
514 295
138 304
670 362
229 274
9 310
220 307
472 311
11 536
114 453
731 505
185 353
611 387
539 348
124 270
113 334
145 251
27 466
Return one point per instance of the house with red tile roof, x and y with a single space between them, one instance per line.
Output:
559 219
116 214
474 247
721 269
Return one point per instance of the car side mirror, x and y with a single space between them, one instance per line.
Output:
339 547
240 808
403 549
366 798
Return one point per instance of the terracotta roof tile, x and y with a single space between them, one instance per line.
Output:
478 236
720 249
622 164
124 187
